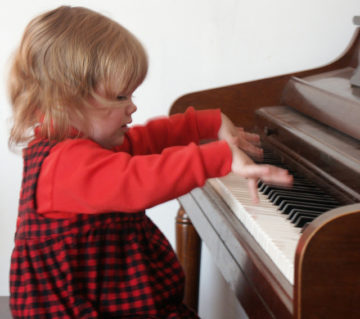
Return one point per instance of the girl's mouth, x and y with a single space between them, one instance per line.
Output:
124 128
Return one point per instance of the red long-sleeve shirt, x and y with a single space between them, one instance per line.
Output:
157 162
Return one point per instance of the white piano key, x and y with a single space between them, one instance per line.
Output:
270 228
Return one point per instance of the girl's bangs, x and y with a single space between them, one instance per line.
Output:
126 71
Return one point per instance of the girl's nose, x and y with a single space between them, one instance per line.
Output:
131 109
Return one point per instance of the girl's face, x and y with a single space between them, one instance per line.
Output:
109 124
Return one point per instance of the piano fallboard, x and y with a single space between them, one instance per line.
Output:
325 155
327 97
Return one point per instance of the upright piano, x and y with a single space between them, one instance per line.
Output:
297 253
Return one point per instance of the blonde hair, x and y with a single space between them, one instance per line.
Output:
62 58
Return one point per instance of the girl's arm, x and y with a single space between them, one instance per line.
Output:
184 128
178 129
81 177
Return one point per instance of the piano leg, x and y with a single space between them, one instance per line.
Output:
188 249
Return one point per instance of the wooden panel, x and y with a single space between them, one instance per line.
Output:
327 265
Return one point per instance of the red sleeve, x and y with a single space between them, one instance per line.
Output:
81 177
178 129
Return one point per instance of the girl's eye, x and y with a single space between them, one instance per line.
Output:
121 98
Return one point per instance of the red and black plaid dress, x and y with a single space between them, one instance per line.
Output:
114 265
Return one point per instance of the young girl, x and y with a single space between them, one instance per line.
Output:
84 247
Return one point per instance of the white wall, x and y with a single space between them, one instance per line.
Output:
192 45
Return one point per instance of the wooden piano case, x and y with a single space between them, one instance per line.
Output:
327 262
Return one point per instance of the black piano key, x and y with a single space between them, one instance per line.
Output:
280 197
299 183
297 187
304 227
303 194
272 189
295 211
294 193
299 214
303 220
317 208
283 202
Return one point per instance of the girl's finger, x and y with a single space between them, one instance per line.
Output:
251 149
251 137
253 190
269 174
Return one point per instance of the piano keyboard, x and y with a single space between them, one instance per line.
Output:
276 221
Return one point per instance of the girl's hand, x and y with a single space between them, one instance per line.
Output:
248 142
243 166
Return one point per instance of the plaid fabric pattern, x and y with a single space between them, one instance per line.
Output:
115 265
